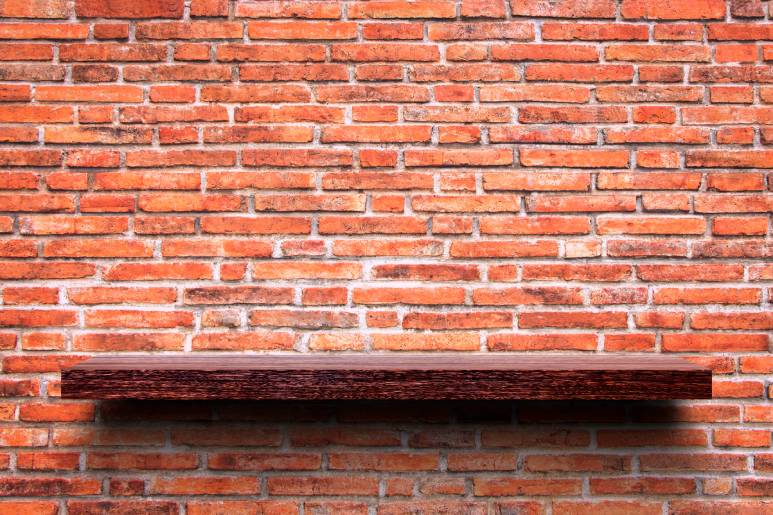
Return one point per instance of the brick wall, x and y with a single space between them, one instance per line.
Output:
473 175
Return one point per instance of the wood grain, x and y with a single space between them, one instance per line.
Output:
380 376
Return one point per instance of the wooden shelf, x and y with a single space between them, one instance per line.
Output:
387 376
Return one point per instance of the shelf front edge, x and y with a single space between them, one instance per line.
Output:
173 380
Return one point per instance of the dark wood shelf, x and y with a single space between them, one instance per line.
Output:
387 376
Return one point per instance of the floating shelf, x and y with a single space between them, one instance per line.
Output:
379 376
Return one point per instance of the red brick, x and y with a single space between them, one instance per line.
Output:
403 9
693 462
575 158
32 507
747 9
372 52
387 31
192 52
657 53
580 73
425 158
535 114
654 114
577 319
316 10
661 73
302 30
662 10
47 460
49 486
414 342
541 342
577 462
123 9
483 9
651 225
567 31
270 53
393 462
44 31
500 249
110 342
43 341
504 486
542 134
323 485
741 135
690 413
690 272
544 52
189 30
48 9
98 248
193 485
650 93
679 32
436 321
62 412
241 341
565 8
209 8
138 319
741 438
607 507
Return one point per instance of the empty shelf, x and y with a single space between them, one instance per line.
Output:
439 376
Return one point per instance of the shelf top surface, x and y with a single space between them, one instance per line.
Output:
413 361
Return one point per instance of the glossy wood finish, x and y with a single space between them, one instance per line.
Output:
387 376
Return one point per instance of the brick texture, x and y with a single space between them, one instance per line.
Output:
449 175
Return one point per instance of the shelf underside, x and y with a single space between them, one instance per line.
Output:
394 377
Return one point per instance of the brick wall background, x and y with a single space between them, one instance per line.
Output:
472 175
